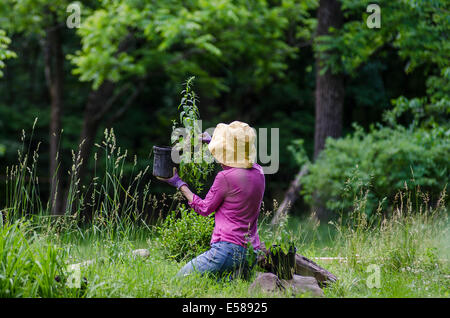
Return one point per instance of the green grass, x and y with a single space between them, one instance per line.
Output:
408 242
419 269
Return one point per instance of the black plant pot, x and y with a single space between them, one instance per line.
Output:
162 162
282 264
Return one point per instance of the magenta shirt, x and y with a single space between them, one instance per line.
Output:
235 196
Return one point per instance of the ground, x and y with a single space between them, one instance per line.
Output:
375 267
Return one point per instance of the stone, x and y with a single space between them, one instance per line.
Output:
306 267
79 265
266 282
301 284
303 267
144 253
271 284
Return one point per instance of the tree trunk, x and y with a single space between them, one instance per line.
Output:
290 196
303 267
93 116
98 104
54 74
329 94
329 87
329 102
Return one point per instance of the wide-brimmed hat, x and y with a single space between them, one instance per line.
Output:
234 145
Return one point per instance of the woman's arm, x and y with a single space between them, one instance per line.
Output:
213 199
187 193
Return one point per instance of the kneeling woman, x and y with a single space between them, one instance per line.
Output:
235 196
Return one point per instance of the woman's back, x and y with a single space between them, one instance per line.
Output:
236 197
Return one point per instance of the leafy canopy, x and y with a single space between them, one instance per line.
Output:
200 37
4 52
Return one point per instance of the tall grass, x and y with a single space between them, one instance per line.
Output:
109 216
407 244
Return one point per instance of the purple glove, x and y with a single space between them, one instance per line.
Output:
206 137
175 181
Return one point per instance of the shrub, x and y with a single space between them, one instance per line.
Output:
195 166
187 236
29 266
379 164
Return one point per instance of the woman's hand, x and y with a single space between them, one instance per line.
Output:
174 181
206 138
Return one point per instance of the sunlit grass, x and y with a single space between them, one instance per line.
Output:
104 222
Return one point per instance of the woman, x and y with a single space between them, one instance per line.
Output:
235 196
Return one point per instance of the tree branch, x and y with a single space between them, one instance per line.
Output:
290 196
121 111
111 101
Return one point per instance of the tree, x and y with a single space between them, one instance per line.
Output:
329 99
4 52
45 19
329 86
54 75
416 31
125 41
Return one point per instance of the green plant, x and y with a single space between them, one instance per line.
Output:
280 237
185 236
195 160
378 163
29 264
4 52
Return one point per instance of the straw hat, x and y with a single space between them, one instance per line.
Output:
234 145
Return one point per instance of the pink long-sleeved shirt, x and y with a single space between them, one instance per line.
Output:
235 196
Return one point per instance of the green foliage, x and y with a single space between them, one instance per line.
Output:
29 267
186 236
195 160
416 28
280 237
32 16
427 111
4 52
297 150
381 161
405 247
199 37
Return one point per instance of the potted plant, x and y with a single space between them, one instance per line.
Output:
281 252
196 160
162 162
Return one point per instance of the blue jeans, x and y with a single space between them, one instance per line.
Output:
222 258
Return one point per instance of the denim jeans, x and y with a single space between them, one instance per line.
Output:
222 258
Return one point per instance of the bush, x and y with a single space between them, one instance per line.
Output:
378 164
187 236
28 266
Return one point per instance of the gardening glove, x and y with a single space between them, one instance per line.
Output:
206 137
175 180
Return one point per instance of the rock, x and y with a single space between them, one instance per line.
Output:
266 282
306 267
144 253
270 283
301 284
79 265
303 267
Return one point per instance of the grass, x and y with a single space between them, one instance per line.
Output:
400 252
412 265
